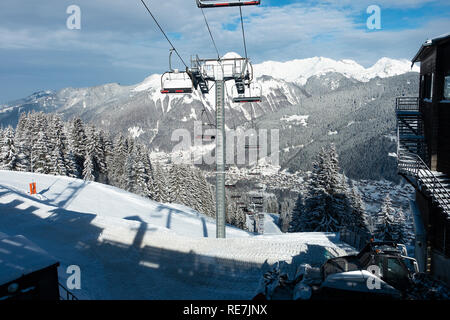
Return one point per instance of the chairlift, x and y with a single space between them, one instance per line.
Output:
235 197
230 185
254 173
243 93
175 81
229 3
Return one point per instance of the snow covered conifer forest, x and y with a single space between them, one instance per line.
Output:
330 202
43 143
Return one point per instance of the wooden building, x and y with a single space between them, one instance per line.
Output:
434 100
26 271
423 128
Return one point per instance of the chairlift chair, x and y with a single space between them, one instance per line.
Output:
243 93
229 3
175 81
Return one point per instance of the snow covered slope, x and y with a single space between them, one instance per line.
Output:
129 247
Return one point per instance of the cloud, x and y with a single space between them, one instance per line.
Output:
120 38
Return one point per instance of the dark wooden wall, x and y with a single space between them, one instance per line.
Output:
430 114
436 115
436 223
443 69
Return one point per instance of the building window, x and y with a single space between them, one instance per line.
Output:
427 86
447 87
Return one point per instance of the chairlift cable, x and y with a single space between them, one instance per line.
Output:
207 115
243 33
210 33
160 28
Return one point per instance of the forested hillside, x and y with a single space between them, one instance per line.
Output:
43 143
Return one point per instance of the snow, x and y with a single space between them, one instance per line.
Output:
300 70
135 132
19 256
270 224
331 133
129 247
281 76
151 82
357 281
392 154
298 119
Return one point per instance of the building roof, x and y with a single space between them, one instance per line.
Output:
19 256
426 46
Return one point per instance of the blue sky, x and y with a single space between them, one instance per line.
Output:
118 41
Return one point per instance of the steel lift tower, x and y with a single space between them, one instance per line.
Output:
219 71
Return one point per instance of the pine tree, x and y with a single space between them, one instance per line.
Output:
77 141
358 216
386 229
88 167
58 143
142 166
174 184
160 184
57 166
8 153
400 232
100 155
22 142
128 178
326 204
206 194
298 218
117 162
40 157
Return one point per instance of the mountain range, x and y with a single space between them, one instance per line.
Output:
339 101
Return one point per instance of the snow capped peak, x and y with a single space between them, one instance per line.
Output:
300 70
386 67
231 55
153 81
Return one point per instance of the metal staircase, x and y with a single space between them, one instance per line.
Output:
65 294
411 152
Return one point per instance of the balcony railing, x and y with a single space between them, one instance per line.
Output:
407 104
